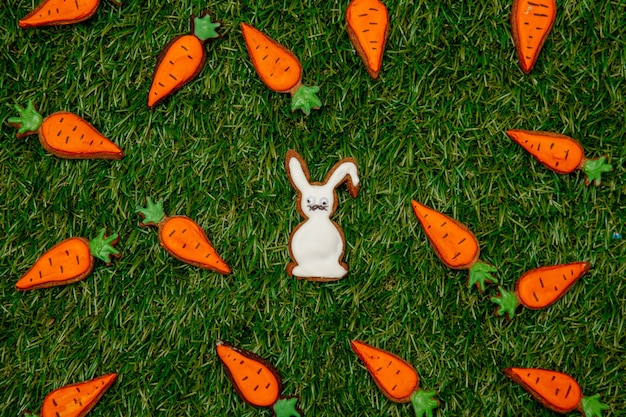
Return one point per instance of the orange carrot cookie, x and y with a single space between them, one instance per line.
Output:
279 69
75 400
61 12
396 378
64 134
69 261
256 381
368 27
454 244
182 238
182 59
560 153
531 22
540 287
557 391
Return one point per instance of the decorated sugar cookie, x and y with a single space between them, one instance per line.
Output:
182 238
279 69
182 59
69 261
396 378
557 391
368 27
531 22
64 134
455 245
316 245
560 153
75 400
540 287
61 12
256 381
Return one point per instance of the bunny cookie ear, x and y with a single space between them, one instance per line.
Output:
345 171
297 171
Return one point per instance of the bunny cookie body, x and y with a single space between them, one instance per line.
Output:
317 244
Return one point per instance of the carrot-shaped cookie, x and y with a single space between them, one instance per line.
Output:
557 391
61 12
396 378
182 59
69 261
368 27
279 69
182 238
540 287
560 153
64 134
256 381
454 244
531 21
75 400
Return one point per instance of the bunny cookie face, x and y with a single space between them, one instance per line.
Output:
317 203
317 244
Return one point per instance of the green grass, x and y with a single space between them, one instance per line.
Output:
431 128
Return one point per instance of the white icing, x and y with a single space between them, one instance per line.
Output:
317 244
297 175
345 168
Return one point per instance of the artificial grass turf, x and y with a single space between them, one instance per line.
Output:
431 128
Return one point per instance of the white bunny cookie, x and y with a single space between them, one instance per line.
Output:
317 244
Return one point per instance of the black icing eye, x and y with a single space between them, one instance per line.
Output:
324 202
310 200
